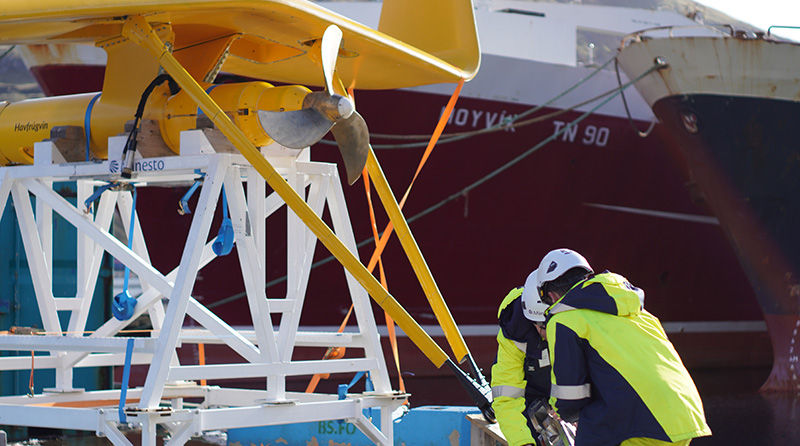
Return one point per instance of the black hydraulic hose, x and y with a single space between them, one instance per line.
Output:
474 391
130 144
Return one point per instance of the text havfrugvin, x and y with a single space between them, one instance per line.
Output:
31 126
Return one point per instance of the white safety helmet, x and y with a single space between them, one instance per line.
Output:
556 263
532 305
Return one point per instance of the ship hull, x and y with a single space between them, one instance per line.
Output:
744 157
729 105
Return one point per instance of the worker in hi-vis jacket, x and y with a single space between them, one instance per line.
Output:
521 375
613 368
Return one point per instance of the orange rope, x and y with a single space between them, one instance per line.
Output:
201 359
387 317
30 381
331 353
380 243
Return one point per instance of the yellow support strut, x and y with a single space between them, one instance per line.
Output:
139 30
421 269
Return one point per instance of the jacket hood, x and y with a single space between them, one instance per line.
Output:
511 317
606 292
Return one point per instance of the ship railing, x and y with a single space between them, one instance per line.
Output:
769 30
706 30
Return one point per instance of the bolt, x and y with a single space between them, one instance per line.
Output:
689 120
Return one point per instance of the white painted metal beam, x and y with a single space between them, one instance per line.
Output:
233 371
303 339
42 280
74 344
184 282
270 415
89 360
52 417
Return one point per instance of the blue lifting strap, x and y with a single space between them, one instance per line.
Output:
223 244
183 204
126 374
344 388
368 387
124 304
92 198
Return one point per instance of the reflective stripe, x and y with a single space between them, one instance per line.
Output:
545 360
521 345
559 307
570 392
509 391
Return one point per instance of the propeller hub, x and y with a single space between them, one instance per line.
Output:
344 106
333 106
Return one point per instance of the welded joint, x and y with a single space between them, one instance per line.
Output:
107 427
367 428
139 31
182 431
163 29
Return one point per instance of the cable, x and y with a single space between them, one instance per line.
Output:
7 52
87 127
642 134
507 123
130 144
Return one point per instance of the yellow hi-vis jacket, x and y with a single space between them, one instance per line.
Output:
521 372
613 364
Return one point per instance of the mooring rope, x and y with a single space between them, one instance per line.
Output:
506 123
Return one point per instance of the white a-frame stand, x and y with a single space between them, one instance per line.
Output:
167 298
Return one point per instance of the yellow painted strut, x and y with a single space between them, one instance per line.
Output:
139 30
421 269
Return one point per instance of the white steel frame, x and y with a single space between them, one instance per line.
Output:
167 299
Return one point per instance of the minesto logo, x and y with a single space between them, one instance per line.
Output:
31 126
